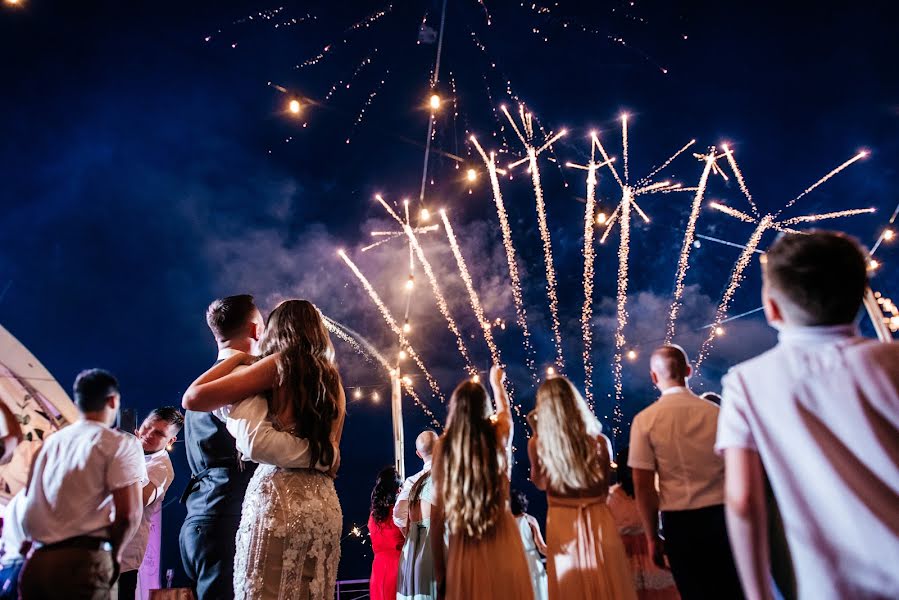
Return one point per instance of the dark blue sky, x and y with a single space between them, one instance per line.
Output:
146 171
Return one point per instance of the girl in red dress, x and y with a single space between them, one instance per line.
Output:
386 538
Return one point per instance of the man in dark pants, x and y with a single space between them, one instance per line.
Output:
674 439
219 478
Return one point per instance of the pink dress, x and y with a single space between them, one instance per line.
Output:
652 583
387 543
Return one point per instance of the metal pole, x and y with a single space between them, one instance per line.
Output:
396 404
876 316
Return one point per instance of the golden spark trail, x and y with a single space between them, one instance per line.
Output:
733 212
589 254
543 226
391 322
368 351
735 279
506 228
684 260
621 310
667 162
527 139
611 221
855 158
435 287
472 293
624 146
739 175
830 215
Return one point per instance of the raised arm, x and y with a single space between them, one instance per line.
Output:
221 385
503 407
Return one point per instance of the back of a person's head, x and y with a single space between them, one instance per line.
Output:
816 278
566 437
169 414
471 465
518 502
307 371
424 443
228 317
92 389
670 363
383 496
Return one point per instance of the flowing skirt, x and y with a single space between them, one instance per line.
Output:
489 568
585 555
538 574
288 543
416 580
652 583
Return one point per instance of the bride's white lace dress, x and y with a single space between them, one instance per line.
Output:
288 543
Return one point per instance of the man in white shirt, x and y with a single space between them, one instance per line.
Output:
674 439
83 501
158 431
424 446
820 412
12 547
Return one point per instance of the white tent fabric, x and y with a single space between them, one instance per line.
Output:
40 404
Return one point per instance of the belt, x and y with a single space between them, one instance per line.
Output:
195 480
84 542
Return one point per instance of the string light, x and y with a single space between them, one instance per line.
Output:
375 397
719 331
424 214
873 264
550 371
888 235
402 355
357 393
410 283
294 106
601 218
406 327
434 102
632 354
471 175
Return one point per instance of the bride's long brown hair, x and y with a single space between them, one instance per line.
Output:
307 373
471 464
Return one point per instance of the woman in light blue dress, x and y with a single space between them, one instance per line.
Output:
534 546
416 579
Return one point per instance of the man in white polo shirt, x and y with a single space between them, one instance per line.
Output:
674 439
83 501
158 431
820 412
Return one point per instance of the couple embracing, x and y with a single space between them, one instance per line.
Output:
262 437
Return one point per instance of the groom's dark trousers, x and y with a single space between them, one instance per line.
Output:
214 498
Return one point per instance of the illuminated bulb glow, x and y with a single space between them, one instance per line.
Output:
601 218
435 285
550 371
471 175
410 283
406 327
719 331
631 355
434 101
391 322
357 393
889 234
424 215
294 106
873 264
402 355
506 228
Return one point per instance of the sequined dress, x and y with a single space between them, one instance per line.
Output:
288 542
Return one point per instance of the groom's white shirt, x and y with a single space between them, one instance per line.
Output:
257 439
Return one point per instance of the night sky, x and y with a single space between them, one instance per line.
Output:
147 170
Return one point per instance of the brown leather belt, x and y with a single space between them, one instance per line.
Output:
84 542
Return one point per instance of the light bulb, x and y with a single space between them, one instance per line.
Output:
294 106
471 175
435 101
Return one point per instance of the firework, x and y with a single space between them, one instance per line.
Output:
684 260
506 228
391 322
805 192
526 135
435 285
732 161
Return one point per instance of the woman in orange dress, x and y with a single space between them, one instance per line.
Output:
570 460
470 472
386 538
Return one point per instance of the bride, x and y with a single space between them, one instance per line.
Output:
288 543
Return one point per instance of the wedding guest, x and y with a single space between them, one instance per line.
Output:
158 431
13 547
570 460
83 502
650 581
222 466
674 439
412 513
534 545
472 464
820 412
10 434
424 447
386 538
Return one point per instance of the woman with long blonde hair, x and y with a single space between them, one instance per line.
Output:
288 542
570 460
470 472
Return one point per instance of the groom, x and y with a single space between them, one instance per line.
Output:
219 478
